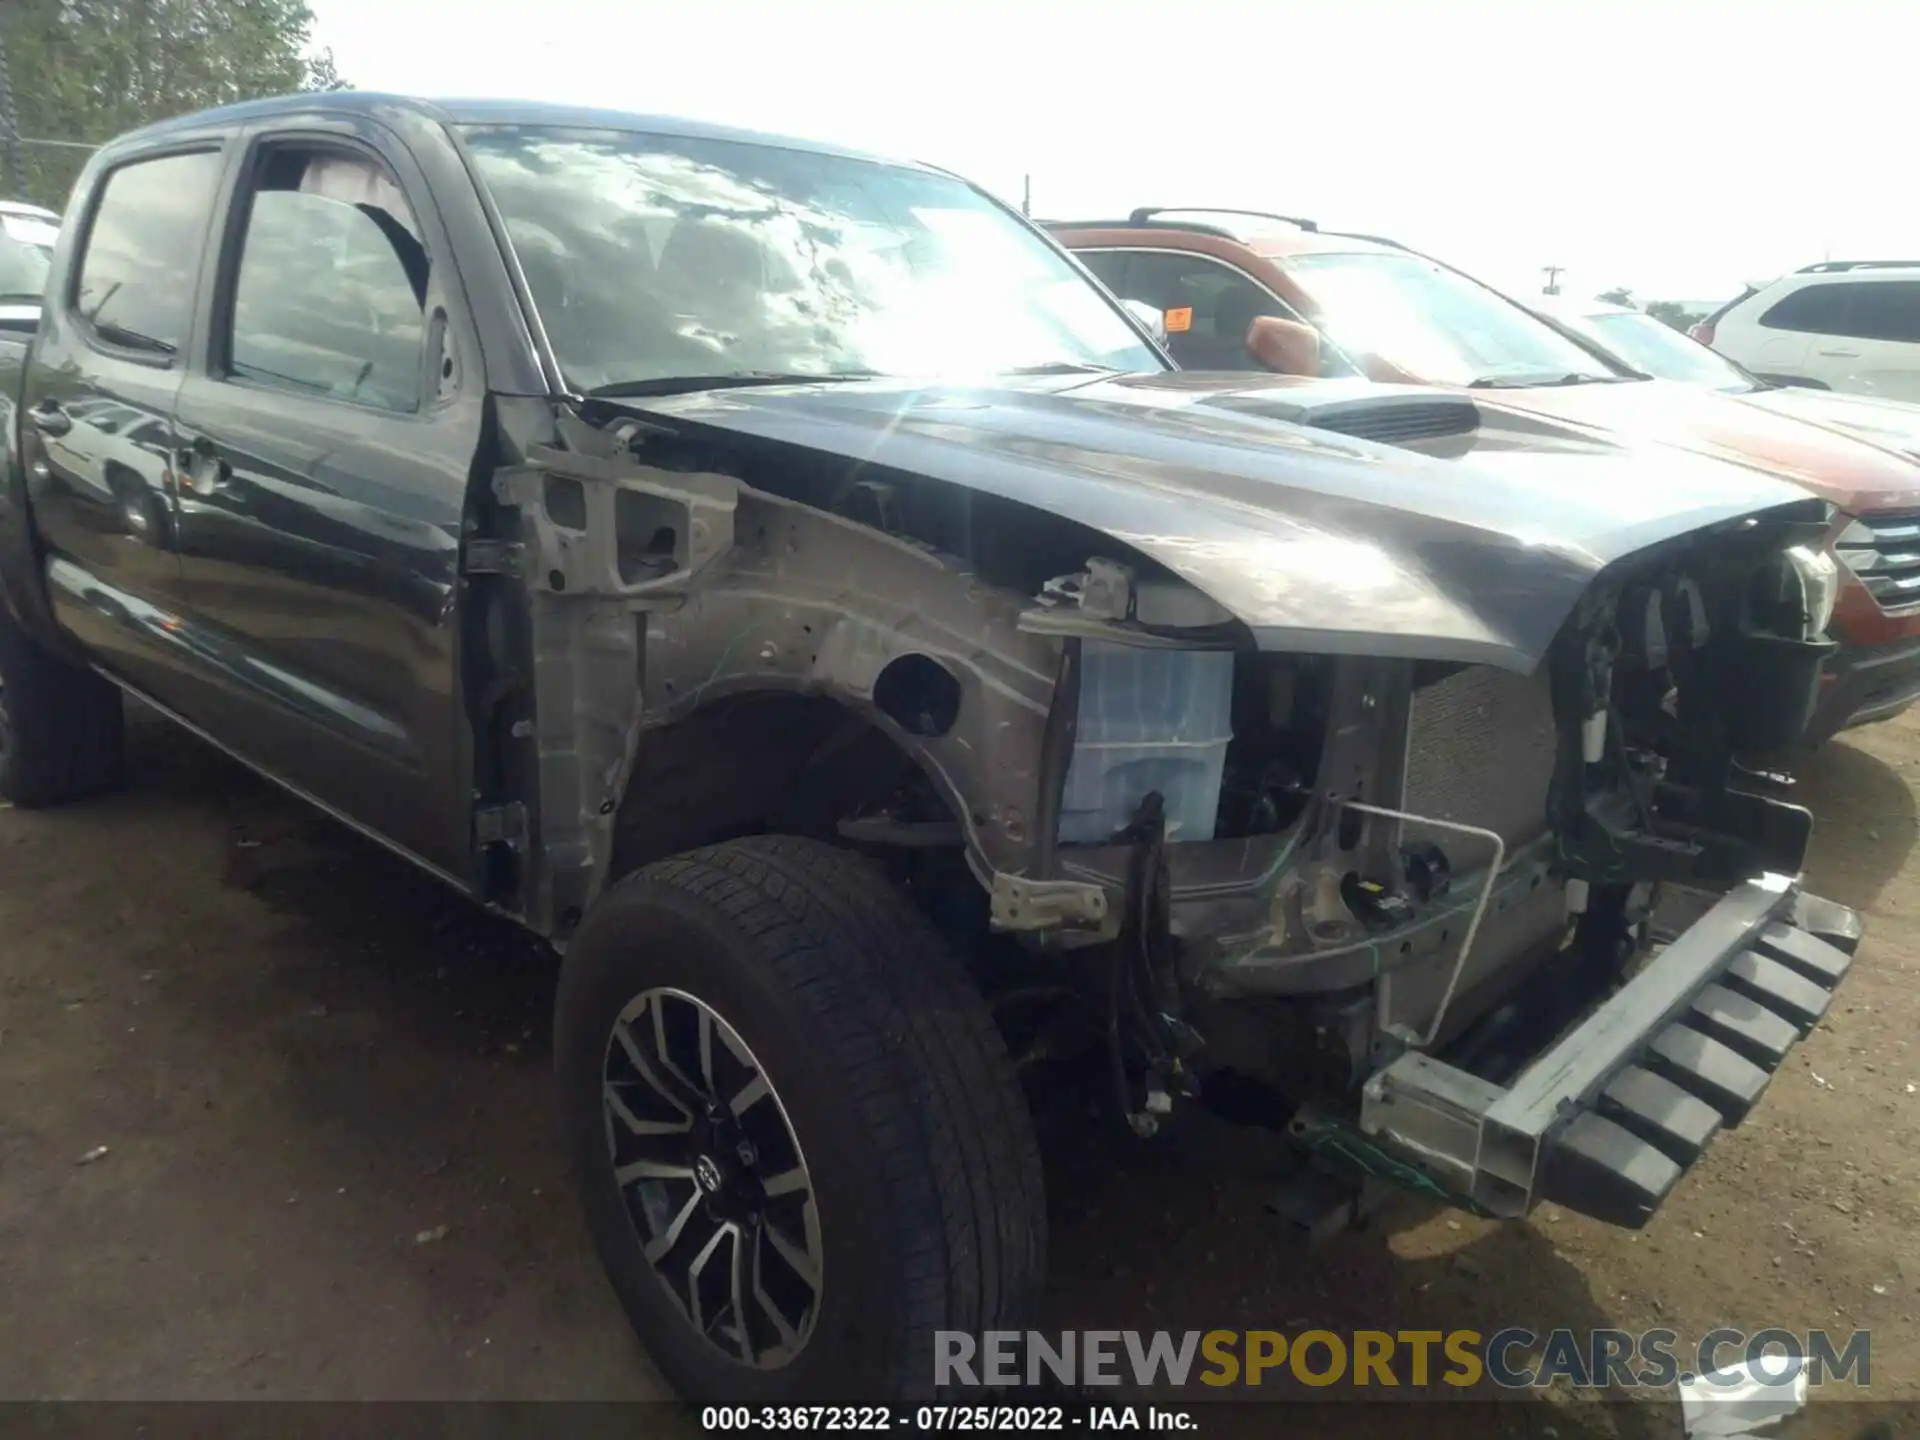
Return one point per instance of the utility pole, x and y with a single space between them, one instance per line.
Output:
9 120
1026 196
1553 274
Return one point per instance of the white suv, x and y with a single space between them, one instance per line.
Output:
1842 325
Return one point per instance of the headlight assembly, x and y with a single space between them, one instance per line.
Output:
1792 596
1819 581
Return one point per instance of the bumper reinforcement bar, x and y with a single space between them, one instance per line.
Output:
1607 1120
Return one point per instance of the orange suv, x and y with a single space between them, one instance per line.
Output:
1249 290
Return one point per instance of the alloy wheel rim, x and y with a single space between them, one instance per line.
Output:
712 1177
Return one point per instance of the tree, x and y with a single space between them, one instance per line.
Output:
1619 295
85 70
1672 312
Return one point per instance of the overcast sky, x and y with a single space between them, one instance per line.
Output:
1678 148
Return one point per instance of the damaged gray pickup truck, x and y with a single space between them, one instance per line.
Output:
785 580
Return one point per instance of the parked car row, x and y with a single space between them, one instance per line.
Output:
1281 294
1637 341
784 579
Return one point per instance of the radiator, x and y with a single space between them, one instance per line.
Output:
1480 751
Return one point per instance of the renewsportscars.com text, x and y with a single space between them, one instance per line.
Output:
1515 1358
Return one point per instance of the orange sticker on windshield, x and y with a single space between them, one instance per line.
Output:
1181 319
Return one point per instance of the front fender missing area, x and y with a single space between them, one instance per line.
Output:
653 593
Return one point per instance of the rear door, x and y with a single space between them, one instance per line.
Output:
108 361
1806 334
330 429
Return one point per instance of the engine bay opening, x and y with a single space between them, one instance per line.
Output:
1273 759
1662 681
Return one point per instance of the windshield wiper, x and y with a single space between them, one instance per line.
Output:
736 380
1063 367
1541 382
132 339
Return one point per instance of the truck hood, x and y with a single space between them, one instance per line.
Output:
1858 471
1318 542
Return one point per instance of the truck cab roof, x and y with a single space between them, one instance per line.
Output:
373 104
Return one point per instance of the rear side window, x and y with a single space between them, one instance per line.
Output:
136 278
330 292
1858 309
1816 310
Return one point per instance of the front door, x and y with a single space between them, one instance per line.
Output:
327 440
97 422
1885 321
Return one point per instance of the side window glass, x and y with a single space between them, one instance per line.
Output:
330 292
1816 310
1215 304
136 278
1888 310
1108 267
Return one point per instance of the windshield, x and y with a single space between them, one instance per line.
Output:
1434 323
652 257
1661 351
26 254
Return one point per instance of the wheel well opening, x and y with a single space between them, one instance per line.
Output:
754 764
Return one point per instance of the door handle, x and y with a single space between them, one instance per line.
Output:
49 419
1839 354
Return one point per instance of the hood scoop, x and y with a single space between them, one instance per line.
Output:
1385 419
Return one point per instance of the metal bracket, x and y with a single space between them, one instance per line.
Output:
1495 868
1022 904
692 510
492 557
500 825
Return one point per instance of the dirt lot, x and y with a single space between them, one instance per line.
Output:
322 1088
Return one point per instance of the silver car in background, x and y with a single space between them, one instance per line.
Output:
1641 342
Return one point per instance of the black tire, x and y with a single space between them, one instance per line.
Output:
62 728
892 1079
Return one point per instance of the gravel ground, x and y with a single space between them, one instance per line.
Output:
317 1089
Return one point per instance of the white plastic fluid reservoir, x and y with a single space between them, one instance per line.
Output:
1149 720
